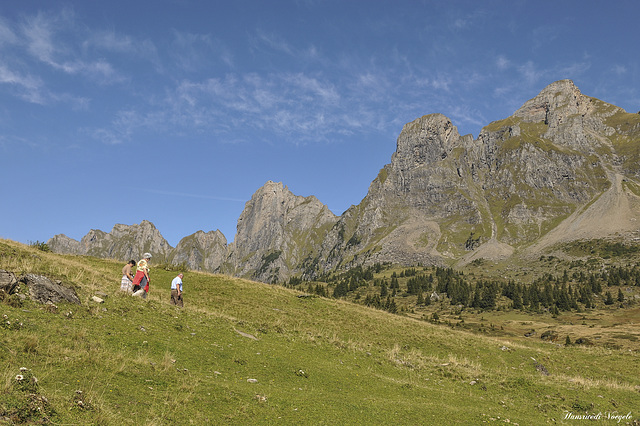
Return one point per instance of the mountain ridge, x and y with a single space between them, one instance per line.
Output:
556 170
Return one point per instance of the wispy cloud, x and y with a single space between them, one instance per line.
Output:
28 86
529 72
619 69
7 36
110 41
204 90
54 39
502 62
544 35
274 42
194 52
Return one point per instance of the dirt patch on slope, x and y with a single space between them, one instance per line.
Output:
615 212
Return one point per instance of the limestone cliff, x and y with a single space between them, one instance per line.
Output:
201 251
277 233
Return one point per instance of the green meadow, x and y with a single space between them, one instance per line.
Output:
243 352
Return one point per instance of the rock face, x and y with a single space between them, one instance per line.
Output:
201 251
277 232
399 219
564 166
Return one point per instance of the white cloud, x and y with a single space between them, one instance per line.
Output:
9 77
441 83
39 31
502 63
192 51
529 72
28 87
50 39
460 23
7 36
110 41
545 35
619 69
325 91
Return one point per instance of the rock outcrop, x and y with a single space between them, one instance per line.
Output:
43 290
8 281
277 233
201 251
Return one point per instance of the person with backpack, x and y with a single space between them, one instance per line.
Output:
141 280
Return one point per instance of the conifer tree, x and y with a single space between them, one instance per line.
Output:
390 305
341 289
476 299
394 283
526 301
427 300
595 284
608 298
517 301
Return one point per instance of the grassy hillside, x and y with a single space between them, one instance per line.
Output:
242 352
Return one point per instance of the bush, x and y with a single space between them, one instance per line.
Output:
40 245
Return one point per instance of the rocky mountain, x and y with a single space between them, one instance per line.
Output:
277 233
124 242
564 166
201 251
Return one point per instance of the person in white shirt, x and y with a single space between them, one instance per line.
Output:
176 291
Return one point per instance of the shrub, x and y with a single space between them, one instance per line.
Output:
40 245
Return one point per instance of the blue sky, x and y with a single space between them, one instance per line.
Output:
177 111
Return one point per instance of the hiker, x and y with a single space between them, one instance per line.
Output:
176 291
141 280
126 284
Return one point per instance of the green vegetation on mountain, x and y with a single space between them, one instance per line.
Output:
243 352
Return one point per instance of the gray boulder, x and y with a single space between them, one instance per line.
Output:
44 290
8 281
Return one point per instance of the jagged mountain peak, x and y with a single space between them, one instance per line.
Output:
425 140
123 242
201 251
277 229
563 94
561 165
